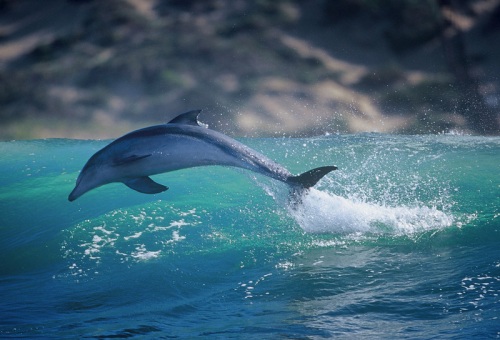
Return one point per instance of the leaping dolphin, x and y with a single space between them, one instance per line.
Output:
181 143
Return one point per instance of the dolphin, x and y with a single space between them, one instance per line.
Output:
181 143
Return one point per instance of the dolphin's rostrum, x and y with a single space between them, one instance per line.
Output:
179 144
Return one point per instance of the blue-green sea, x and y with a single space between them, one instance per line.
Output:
403 241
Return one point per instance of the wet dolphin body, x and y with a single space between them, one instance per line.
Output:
181 143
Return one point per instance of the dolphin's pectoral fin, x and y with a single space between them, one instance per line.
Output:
145 185
129 159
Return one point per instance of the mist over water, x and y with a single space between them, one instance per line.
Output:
401 241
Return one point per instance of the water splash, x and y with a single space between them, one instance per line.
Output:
323 212
408 208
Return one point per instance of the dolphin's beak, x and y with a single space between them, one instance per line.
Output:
74 194
78 191
84 184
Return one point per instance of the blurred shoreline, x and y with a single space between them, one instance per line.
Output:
93 70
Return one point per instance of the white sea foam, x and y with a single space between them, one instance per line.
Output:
136 235
322 212
142 254
126 236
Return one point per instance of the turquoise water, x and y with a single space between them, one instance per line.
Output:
403 241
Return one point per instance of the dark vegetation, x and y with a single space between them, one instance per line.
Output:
265 67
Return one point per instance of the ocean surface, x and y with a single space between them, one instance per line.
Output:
403 241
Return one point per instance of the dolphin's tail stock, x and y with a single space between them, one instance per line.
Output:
299 184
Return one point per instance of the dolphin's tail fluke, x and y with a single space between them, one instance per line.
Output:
310 178
299 184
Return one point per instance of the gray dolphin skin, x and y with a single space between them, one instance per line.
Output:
181 143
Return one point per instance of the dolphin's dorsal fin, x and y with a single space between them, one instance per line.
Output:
189 118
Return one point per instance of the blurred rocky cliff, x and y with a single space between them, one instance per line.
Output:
96 69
